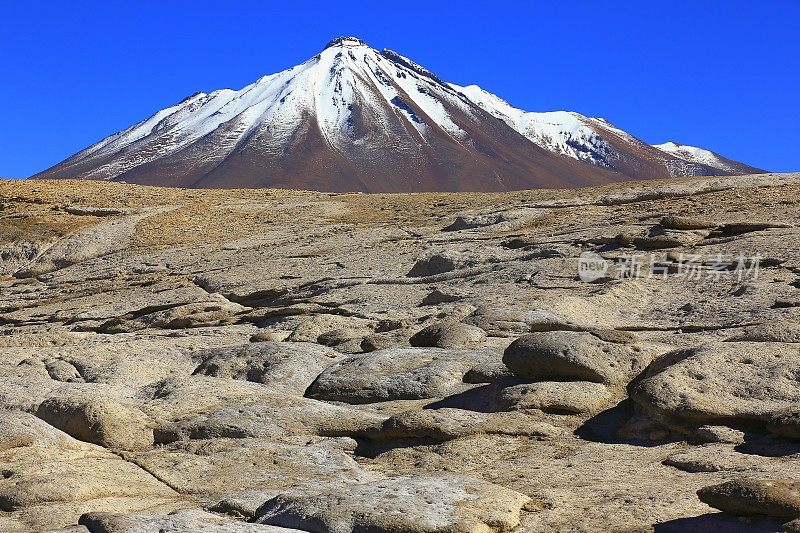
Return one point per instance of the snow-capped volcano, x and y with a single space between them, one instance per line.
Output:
353 118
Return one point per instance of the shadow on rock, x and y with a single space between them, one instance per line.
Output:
483 399
606 427
371 449
768 446
718 523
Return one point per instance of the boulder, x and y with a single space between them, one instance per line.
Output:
556 397
785 423
437 297
412 504
335 337
573 356
271 416
310 329
378 341
397 374
289 367
509 322
449 423
448 335
489 372
92 413
778 498
687 223
772 331
717 434
436 263
190 520
721 384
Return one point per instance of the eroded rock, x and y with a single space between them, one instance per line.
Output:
722 434
396 374
772 331
214 312
575 356
448 423
556 396
785 423
779 498
412 504
92 414
726 383
49 479
448 335
436 263
187 521
214 467
269 416
687 223
511 322
290 367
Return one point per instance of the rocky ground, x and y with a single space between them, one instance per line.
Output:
183 360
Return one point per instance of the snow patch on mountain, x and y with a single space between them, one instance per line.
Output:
562 132
700 156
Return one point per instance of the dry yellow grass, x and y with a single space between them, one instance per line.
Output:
37 208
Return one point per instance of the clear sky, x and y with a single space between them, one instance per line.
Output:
719 74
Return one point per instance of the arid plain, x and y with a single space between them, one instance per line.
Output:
272 360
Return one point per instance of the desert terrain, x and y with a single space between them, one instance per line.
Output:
618 358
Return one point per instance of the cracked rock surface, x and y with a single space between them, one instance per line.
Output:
219 360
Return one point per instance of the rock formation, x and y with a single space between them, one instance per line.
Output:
272 360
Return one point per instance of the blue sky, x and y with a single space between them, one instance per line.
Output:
722 75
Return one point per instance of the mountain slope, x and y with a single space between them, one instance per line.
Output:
596 141
701 156
352 118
